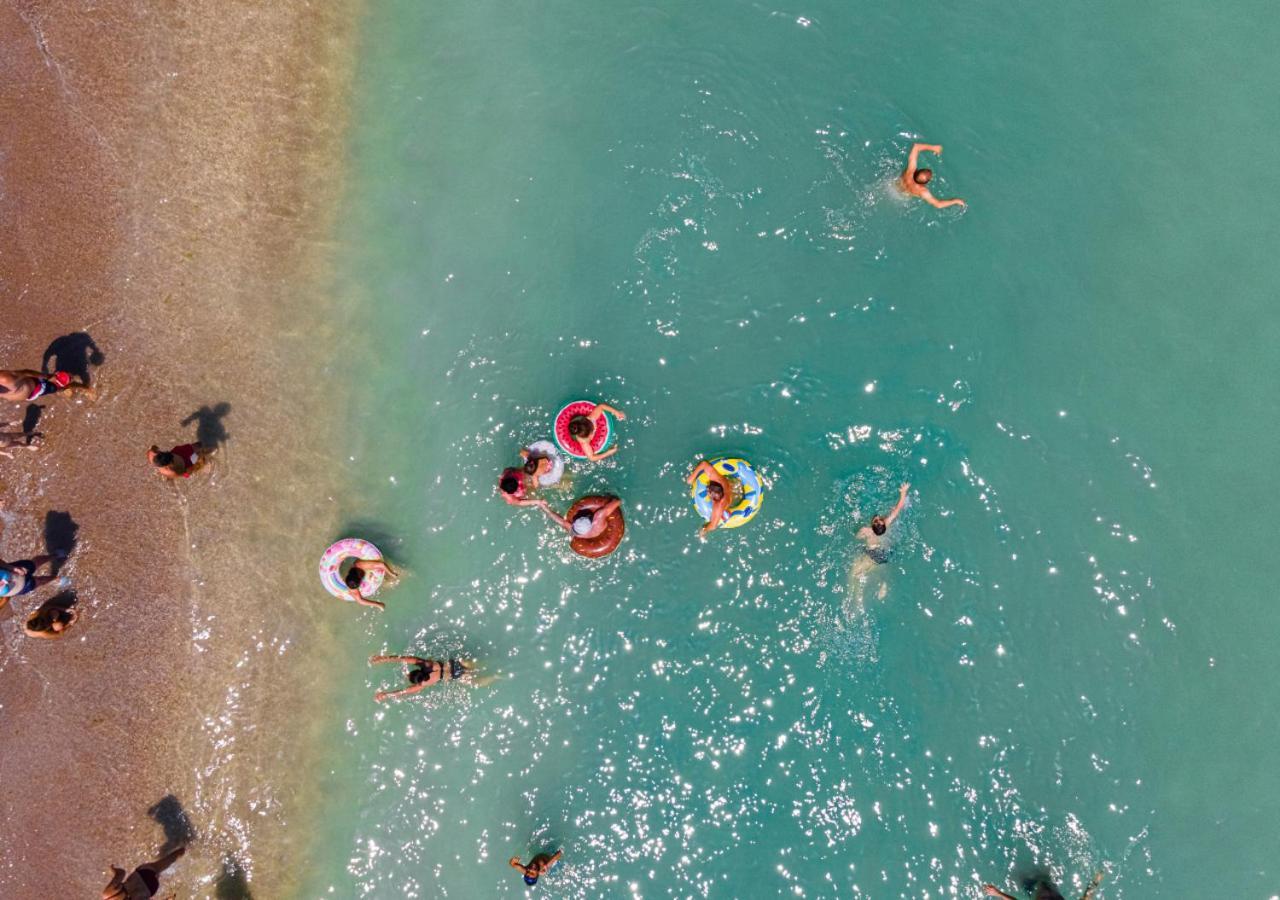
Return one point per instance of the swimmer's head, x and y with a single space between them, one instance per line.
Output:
715 491
878 525
923 176
162 459
531 465
510 482
582 524
418 674
354 578
581 427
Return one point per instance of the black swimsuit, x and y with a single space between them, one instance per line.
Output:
879 555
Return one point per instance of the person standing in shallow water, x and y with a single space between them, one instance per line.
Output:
538 866
914 179
182 461
1044 890
143 882
19 577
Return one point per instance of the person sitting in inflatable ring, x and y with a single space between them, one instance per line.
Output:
585 525
355 577
719 490
583 429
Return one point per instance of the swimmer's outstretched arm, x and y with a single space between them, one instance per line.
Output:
403 692
914 158
1093 886
992 891
942 204
701 467
555 516
606 408
902 502
412 660
365 601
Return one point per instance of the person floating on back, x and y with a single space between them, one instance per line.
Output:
1044 890
182 461
19 577
914 179
538 866
583 430
28 385
143 882
423 673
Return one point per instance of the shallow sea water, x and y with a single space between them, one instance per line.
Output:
686 210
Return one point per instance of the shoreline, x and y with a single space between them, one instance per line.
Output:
169 182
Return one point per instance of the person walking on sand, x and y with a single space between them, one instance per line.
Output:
423 673
182 461
28 385
143 882
914 179
1044 890
538 866
19 577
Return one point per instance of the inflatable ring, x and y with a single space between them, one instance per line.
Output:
608 540
547 450
748 482
331 565
568 443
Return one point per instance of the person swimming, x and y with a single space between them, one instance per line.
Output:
875 550
1044 890
537 867
585 524
422 673
583 429
914 179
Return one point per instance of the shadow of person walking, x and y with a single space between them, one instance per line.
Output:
74 354
210 432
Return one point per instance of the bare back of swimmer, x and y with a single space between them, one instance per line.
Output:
915 179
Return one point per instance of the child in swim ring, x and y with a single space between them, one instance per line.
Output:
355 577
583 430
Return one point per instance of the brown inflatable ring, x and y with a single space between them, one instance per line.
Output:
608 540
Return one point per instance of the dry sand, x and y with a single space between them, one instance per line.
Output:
169 173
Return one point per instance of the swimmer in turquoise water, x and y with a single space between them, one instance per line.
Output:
583 429
1043 890
585 525
914 178
423 673
538 866
355 577
876 549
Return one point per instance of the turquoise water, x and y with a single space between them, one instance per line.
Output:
686 210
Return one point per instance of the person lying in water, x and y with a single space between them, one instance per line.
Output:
19 577
423 673
28 385
537 867
18 440
143 882
585 525
182 461
515 485
583 430
719 491
1044 890
915 179
355 577
50 622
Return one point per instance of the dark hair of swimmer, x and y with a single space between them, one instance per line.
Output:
162 459
878 526
418 674
715 491
580 426
922 176
354 578
531 466
509 484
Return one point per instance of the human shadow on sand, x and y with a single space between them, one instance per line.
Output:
233 883
74 354
210 431
170 816
60 532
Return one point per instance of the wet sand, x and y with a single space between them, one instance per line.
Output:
168 177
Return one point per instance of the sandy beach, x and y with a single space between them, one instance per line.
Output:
168 180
